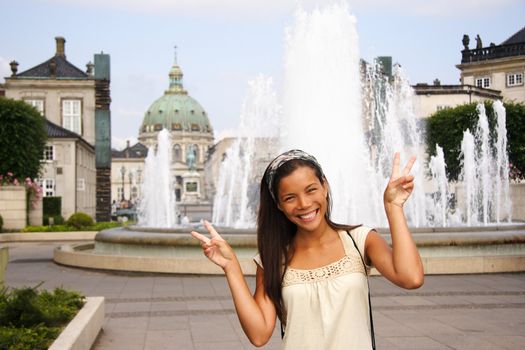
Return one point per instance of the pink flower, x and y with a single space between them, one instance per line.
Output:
15 182
9 173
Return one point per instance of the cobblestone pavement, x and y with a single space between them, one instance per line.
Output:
152 311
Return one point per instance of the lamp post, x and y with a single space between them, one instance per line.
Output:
139 182
130 176
122 172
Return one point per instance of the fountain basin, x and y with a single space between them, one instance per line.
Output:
443 250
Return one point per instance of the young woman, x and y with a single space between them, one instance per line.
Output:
312 272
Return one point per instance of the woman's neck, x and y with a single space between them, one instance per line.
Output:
322 235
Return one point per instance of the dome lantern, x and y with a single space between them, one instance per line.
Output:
176 78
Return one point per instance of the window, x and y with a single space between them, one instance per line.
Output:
483 82
120 193
38 104
71 116
134 192
49 153
514 79
48 187
81 184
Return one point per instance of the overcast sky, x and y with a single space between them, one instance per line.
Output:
223 44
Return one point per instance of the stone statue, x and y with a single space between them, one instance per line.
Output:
190 157
479 44
466 41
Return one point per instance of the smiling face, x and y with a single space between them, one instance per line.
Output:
303 199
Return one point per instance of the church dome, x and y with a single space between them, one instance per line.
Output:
176 110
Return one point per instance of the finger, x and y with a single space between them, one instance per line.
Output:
203 239
398 182
409 165
211 230
395 166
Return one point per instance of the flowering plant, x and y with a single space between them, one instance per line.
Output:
33 189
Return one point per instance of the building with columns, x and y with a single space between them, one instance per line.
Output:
191 138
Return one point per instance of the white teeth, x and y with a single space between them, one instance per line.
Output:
308 216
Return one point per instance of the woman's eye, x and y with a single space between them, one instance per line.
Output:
312 189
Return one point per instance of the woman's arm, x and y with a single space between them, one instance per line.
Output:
256 313
400 264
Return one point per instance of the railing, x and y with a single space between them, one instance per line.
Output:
492 52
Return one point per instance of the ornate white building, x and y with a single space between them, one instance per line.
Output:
191 138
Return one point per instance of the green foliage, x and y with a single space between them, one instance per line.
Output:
35 338
446 128
30 319
57 220
516 139
23 136
79 220
52 206
65 228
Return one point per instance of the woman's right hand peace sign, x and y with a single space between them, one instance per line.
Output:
215 248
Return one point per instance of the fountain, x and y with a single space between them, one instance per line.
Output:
353 126
157 205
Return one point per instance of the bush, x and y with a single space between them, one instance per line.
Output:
446 128
80 220
35 338
65 228
23 136
52 206
57 220
32 320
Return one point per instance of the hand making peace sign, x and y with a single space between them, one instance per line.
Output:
400 185
215 248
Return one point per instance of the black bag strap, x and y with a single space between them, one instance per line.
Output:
372 335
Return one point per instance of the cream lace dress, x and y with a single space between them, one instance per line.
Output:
327 307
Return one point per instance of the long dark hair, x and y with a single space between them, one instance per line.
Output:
275 233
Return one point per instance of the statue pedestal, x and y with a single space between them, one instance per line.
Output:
191 183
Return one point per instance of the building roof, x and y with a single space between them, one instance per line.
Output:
516 38
57 67
56 132
62 68
137 151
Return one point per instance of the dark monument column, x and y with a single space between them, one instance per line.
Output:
103 137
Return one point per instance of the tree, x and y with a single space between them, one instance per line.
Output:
23 136
446 127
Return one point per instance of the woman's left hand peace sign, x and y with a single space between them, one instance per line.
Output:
401 184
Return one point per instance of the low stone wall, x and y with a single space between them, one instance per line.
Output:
517 195
4 259
13 207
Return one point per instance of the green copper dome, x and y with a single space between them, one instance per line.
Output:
176 110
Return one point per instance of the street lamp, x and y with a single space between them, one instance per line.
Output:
139 182
122 172
130 176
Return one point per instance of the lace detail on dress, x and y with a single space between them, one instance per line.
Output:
348 264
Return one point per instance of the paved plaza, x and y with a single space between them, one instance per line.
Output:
153 311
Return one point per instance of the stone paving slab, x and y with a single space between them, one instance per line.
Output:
146 311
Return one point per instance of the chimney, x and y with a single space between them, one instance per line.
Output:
61 46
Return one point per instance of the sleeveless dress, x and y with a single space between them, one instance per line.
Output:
327 307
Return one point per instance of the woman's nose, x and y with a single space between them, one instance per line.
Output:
303 201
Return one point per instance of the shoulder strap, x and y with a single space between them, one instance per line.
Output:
372 335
